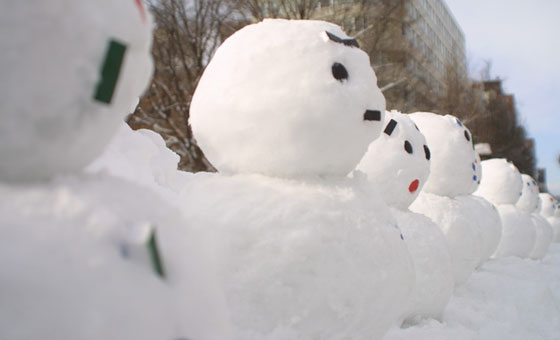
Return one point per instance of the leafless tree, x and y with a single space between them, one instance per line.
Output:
187 34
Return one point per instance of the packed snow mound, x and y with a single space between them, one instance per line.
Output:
141 156
508 298
398 162
302 260
502 183
452 170
71 71
81 246
455 219
432 263
287 98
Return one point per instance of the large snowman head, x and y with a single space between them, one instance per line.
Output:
71 71
398 162
548 204
502 183
529 199
453 170
288 98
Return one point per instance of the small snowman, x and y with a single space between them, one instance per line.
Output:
284 111
87 256
549 209
71 71
485 214
502 185
452 175
398 164
529 202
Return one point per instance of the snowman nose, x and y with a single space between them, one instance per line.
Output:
372 115
413 186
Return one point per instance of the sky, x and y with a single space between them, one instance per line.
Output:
521 38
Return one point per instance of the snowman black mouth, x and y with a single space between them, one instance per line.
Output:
374 115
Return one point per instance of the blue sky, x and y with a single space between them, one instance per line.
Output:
522 40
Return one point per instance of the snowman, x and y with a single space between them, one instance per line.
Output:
284 111
529 202
485 214
502 185
70 73
452 175
110 257
398 164
548 208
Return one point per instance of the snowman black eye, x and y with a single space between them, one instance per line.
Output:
339 72
407 146
427 152
467 136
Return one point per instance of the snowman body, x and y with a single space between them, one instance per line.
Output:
284 111
529 202
398 165
502 185
453 174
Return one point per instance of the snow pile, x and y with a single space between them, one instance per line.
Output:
508 298
71 71
502 185
398 164
295 89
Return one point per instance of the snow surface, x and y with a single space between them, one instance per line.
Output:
51 63
269 102
505 299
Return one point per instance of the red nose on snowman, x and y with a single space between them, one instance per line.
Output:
413 186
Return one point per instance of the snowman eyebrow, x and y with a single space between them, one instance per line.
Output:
347 42
390 127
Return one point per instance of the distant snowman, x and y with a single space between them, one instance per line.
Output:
71 71
529 202
485 214
453 175
284 111
398 164
502 185
549 209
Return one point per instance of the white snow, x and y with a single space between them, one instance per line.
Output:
53 53
269 102
506 299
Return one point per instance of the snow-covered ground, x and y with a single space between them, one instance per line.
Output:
508 298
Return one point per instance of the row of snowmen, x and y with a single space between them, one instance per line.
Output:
329 216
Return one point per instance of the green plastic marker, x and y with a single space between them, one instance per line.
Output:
110 71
